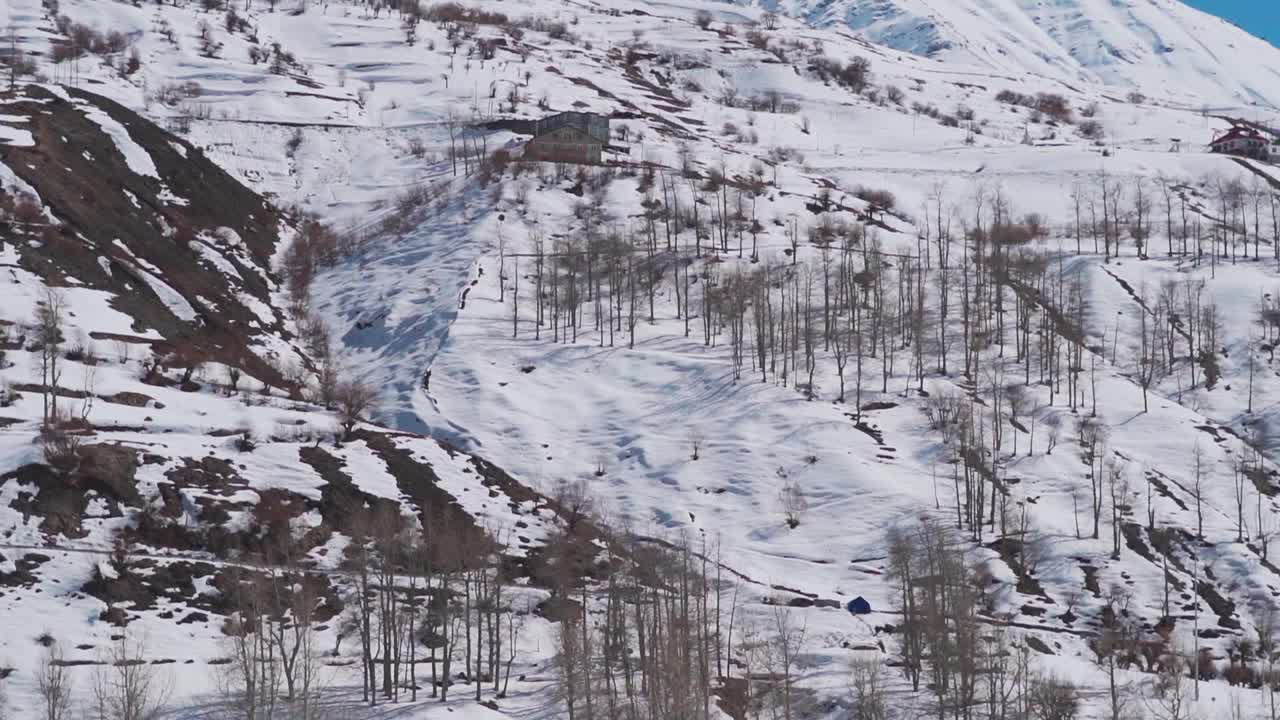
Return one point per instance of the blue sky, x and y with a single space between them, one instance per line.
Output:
1260 17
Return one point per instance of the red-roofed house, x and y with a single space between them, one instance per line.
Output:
1243 141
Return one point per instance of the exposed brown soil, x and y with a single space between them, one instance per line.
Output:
61 499
86 182
418 482
1010 551
340 499
140 584
23 574
216 478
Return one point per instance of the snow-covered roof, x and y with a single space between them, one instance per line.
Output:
1238 133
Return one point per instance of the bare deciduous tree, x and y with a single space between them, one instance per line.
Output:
250 683
53 684
49 319
868 686
126 686
1240 470
786 642
1112 646
1118 489
1267 630
1169 698
1197 487
355 400
1053 698
328 383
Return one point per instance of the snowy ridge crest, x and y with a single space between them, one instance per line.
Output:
1159 47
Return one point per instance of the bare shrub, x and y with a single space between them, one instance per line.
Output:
1010 97
456 14
558 31
293 143
855 75
172 94
794 503
1091 130
882 199
926 109
1051 105
780 154
945 410
208 44
703 19
1055 107
61 448
1053 698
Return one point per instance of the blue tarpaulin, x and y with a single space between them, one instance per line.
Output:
859 606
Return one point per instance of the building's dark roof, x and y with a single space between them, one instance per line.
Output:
597 126
1238 133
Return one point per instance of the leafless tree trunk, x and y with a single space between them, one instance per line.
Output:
126 686
50 317
868 686
1118 487
1111 647
1240 480
53 683
1052 698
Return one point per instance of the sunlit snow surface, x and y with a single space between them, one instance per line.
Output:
428 298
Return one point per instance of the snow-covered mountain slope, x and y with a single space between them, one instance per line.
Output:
687 431
1161 48
182 453
176 243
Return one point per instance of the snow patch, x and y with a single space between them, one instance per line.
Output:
137 158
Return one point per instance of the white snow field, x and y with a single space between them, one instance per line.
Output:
1159 47
444 288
